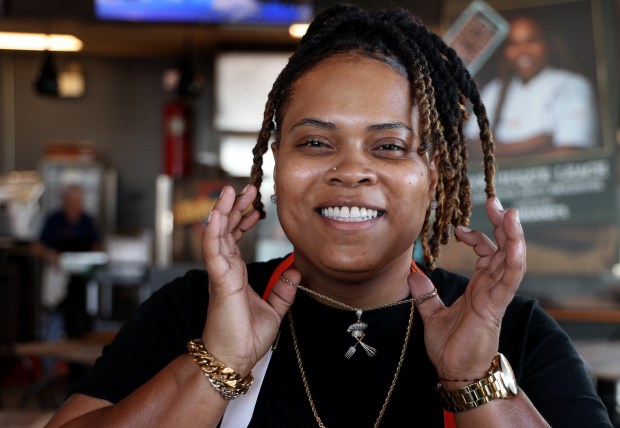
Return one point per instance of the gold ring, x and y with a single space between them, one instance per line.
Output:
424 297
249 210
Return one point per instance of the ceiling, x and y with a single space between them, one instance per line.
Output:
132 39
147 40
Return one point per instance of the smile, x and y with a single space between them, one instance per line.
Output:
524 61
350 214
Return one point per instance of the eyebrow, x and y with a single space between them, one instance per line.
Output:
329 125
314 122
389 125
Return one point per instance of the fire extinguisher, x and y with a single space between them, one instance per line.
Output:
177 138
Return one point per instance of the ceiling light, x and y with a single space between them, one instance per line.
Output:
297 31
40 42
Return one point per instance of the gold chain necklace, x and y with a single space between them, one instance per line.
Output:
392 385
357 329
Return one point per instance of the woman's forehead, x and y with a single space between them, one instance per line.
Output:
358 59
350 85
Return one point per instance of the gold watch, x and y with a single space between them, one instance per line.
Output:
499 383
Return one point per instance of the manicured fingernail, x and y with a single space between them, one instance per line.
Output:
209 217
498 204
245 189
464 229
517 217
221 193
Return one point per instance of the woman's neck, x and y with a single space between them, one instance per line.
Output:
358 289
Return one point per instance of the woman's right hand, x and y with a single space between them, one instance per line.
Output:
240 325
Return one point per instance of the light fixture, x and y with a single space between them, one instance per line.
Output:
40 42
47 80
297 31
71 81
66 83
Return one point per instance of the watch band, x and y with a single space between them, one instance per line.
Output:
499 383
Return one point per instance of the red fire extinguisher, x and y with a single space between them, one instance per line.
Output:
177 138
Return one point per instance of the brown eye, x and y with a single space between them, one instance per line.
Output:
315 143
391 147
314 146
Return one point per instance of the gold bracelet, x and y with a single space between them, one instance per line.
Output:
225 380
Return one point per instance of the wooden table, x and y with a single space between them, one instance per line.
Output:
586 317
592 315
601 357
84 350
70 350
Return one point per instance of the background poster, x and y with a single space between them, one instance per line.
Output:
556 158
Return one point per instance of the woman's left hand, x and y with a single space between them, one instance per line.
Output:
462 339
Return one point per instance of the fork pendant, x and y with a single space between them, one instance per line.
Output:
357 332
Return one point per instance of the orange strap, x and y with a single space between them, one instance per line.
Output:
280 269
448 418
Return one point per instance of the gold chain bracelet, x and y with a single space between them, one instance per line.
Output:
225 380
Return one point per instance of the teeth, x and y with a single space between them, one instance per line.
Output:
349 214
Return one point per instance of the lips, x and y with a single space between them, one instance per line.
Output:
350 214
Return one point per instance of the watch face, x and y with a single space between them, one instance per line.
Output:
507 375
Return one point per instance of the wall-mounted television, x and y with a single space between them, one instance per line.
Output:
266 12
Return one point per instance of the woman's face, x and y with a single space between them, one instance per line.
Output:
525 49
352 190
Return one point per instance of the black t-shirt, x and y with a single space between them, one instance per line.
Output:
62 235
349 392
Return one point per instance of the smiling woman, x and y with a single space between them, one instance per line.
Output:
536 106
373 147
366 122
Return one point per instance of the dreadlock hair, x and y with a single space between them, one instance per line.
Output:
440 86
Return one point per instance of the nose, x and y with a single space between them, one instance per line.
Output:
351 171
